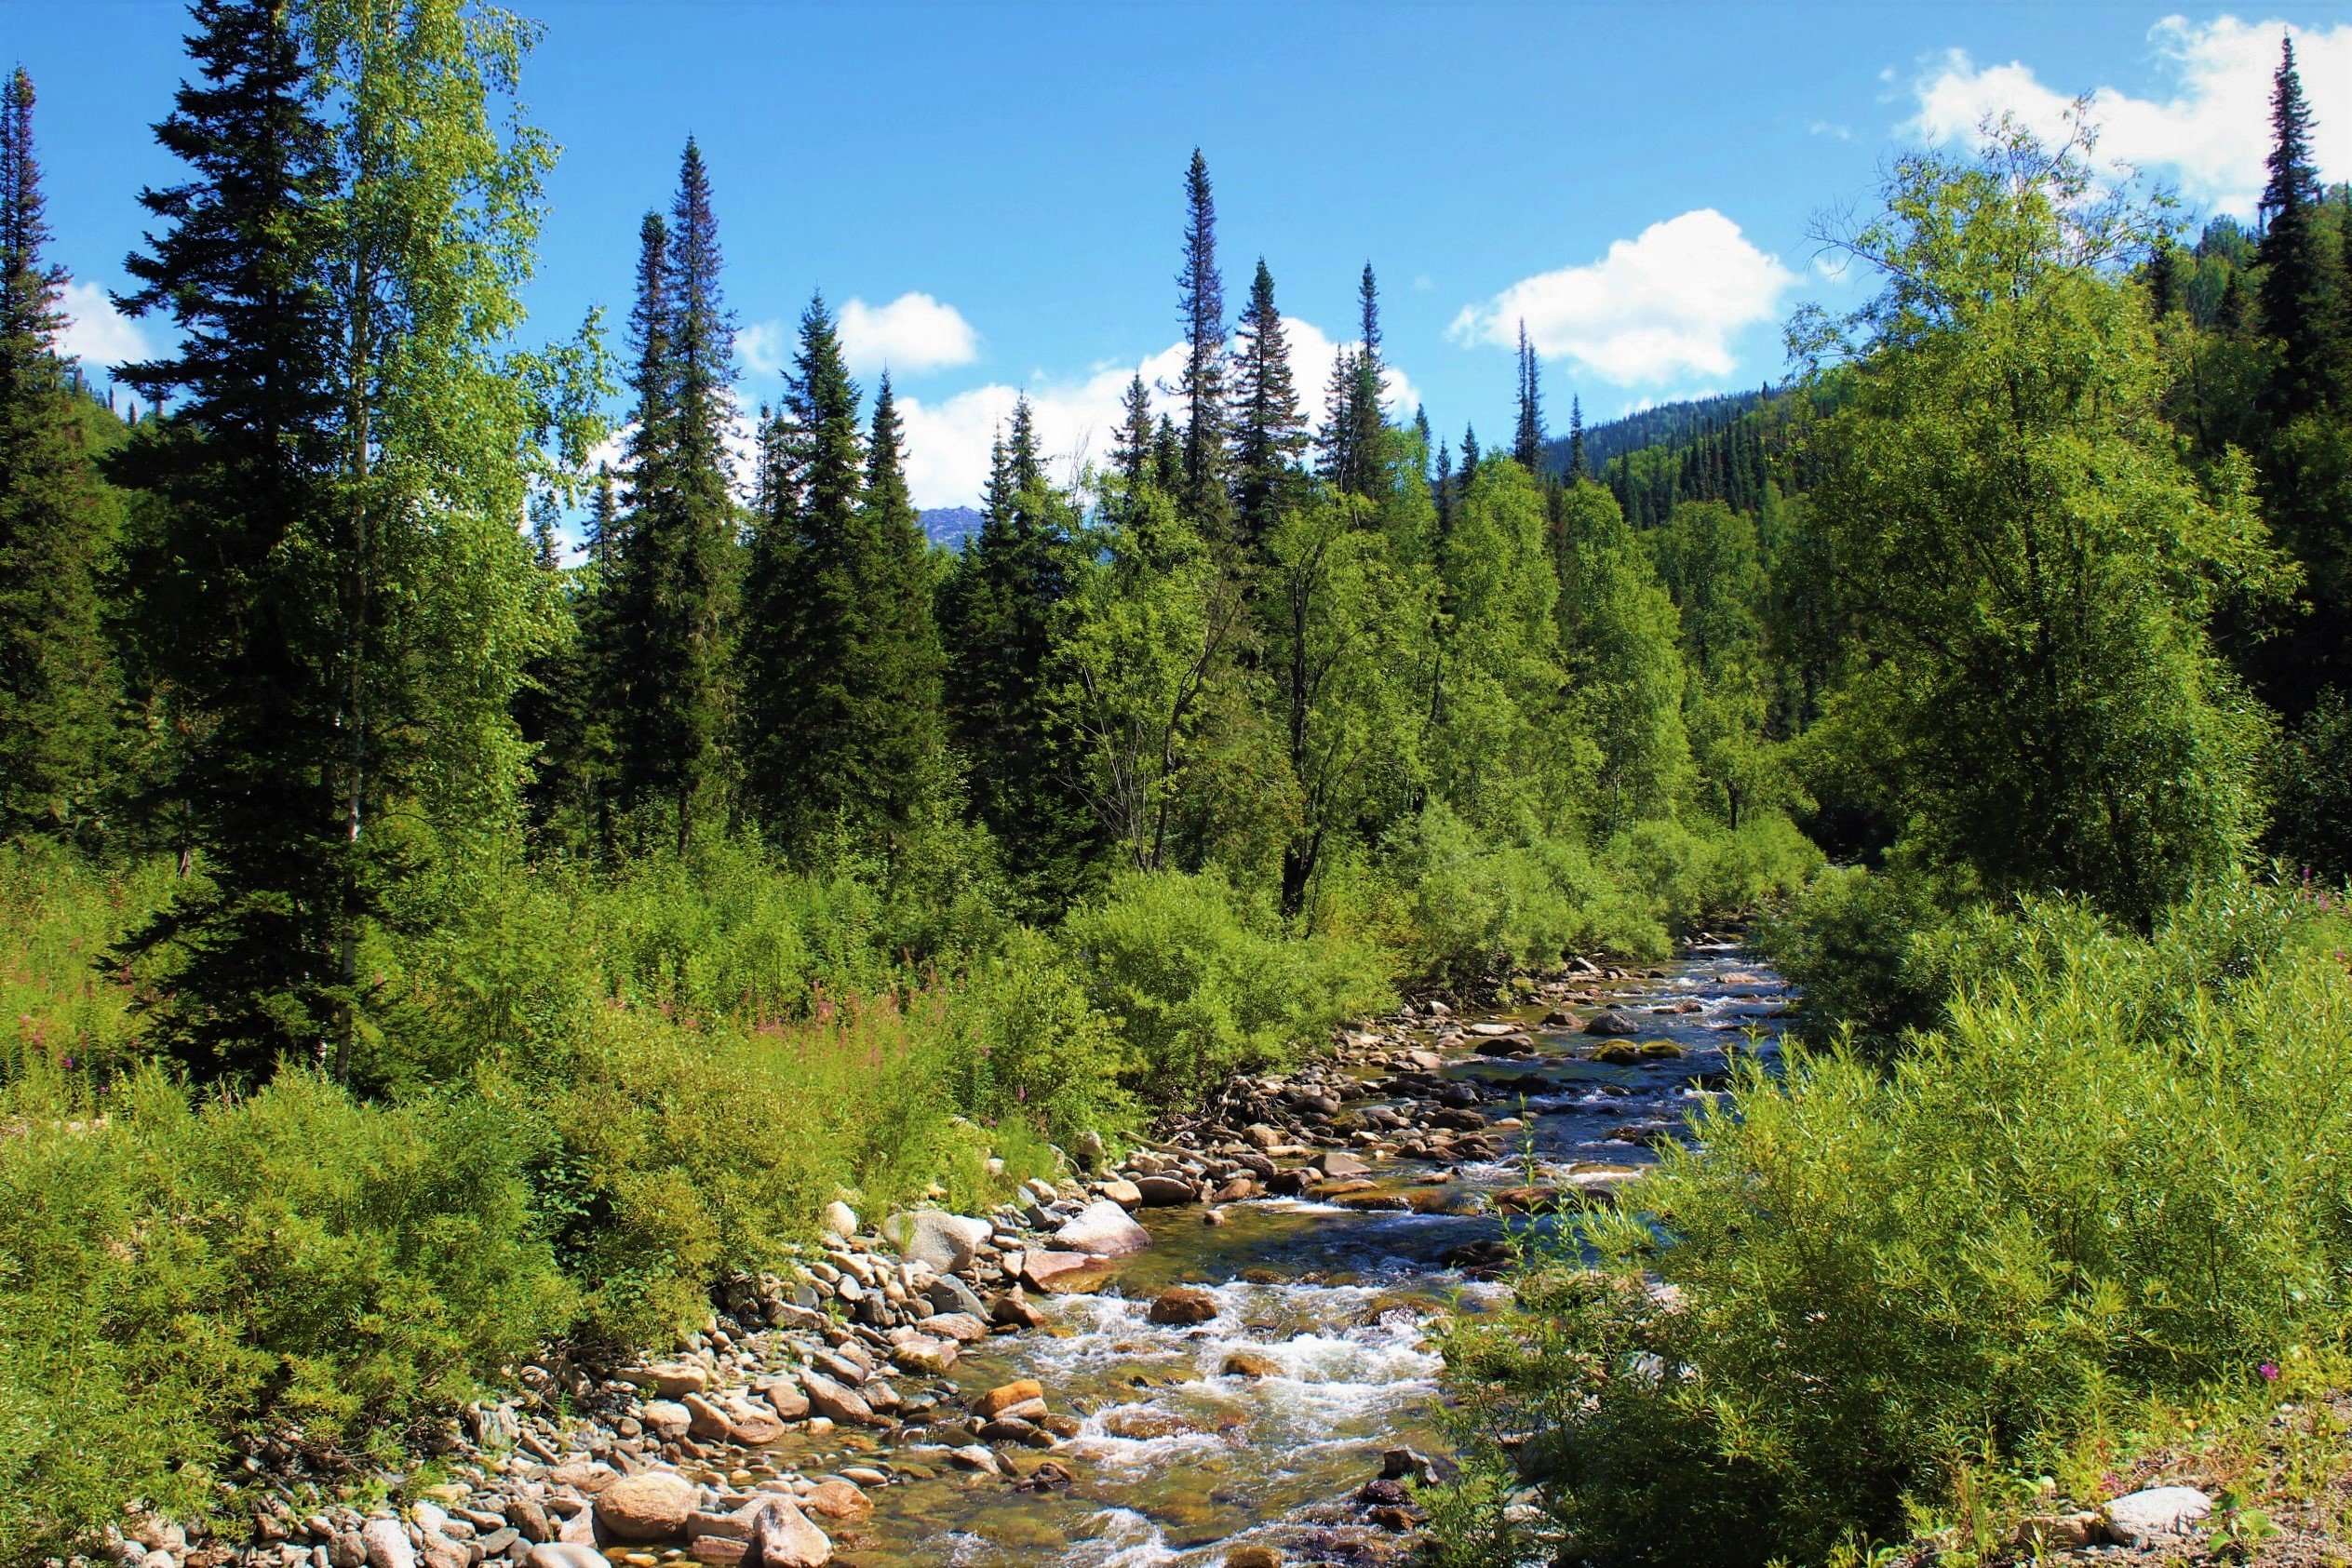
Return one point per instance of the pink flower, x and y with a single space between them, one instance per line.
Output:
2269 1371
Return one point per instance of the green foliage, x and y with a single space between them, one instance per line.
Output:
1621 631
70 1026
175 1275
2117 1170
1200 990
2028 563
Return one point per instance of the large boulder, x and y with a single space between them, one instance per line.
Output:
1166 1192
649 1505
1103 1230
949 1293
1006 1396
1612 1022
949 1242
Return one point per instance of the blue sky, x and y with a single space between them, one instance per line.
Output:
993 192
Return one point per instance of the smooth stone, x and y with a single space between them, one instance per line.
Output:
1054 1272
837 1401
840 1219
1245 1363
1336 1162
669 1379
1006 1395
1166 1192
837 1498
563 1554
387 1543
1124 1193
649 1505
1612 1022
947 1242
964 1328
784 1538
1103 1230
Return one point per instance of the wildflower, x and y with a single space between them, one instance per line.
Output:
2269 1371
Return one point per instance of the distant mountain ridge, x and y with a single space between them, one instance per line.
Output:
950 526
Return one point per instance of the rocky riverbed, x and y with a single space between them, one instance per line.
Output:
1215 1352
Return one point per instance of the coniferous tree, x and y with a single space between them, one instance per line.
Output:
1270 433
1351 444
2293 296
230 607
1529 445
1131 457
1200 293
1578 468
681 571
54 669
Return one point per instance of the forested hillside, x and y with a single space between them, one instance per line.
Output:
425 942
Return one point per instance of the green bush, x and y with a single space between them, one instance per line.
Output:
66 1027
1033 1048
178 1274
1198 990
2119 1171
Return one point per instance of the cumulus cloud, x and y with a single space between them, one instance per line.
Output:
98 334
1657 308
913 332
765 347
2208 136
947 441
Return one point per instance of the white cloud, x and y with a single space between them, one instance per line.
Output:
1657 308
2208 137
948 442
913 332
765 346
98 334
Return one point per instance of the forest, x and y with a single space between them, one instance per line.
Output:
426 941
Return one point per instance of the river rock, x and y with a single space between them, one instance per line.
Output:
949 1293
1103 1230
1182 1306
964 1328
669 1380
1253 1556
837 1401
387 1543
1055 1273
649 1505
529 1518
1166 1192
2149 1519
836 1499
924 1354
1003 1397
1249 1364
840 1219
1089 1150
783 1538
704 1420
1611 1021
1014 1311
563 1554
1124 1193
785 1395
949 1242
667 1419
2039 1535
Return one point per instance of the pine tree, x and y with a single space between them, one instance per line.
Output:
1528 447
2296 302
900 670
1353 419
605 527
1579 467
679 572
54 669
225 611
1201 291
1270 433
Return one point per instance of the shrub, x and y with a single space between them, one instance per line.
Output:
1198 991
1032 1048
63 1024
2119 1171
178 1274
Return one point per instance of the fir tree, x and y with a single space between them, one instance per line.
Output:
1528 447
1201 292
1579 467
1353 421
54 669
1270 433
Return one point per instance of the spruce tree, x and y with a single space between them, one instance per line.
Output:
679 572
1131 457
55 668
1353 421
1201 294
1270 433
1579 466
2296 306
232 606
842 707
1528 447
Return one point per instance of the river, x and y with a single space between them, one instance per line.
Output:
1179 1461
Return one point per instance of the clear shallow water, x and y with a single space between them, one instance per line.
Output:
1176 1462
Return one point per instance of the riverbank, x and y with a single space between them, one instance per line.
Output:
1226 1333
